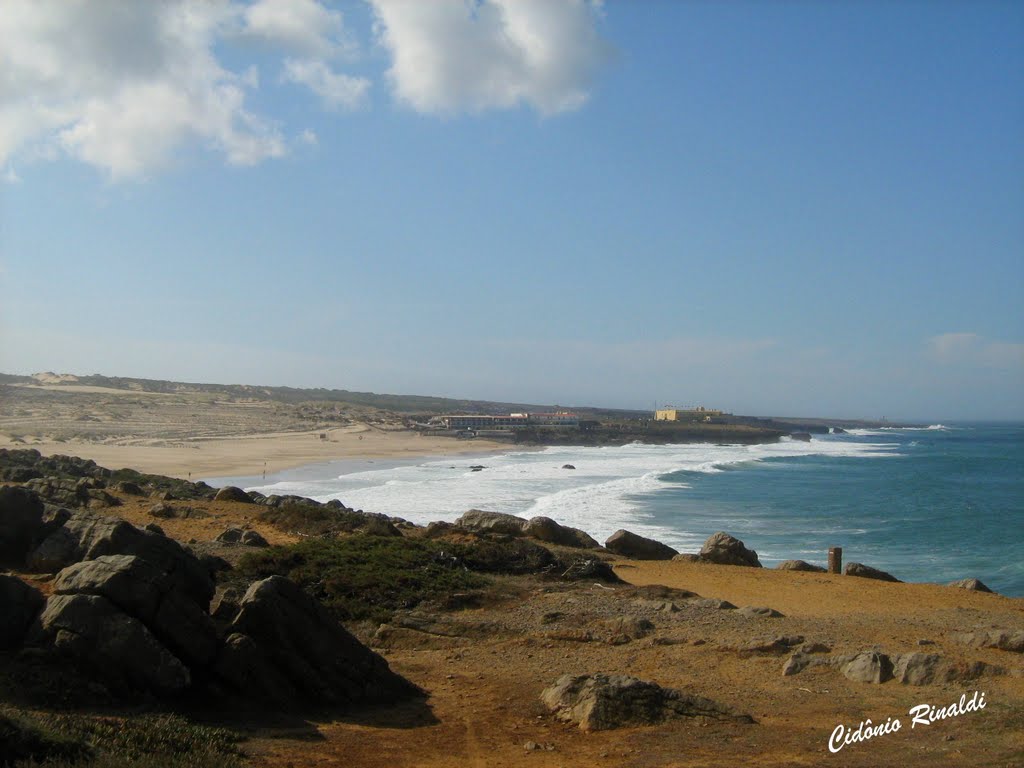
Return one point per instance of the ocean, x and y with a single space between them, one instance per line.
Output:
928 505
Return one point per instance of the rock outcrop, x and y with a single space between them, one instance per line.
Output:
20 604
283 648
114 647
22 524
85 536
150 595
799 565
547 530
637 547
723 549
479 521
601 702
867 572
975 585
1002 639
233 493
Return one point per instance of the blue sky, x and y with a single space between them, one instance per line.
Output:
784 208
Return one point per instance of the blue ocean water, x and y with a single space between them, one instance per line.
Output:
930 504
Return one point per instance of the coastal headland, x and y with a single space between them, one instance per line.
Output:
207 430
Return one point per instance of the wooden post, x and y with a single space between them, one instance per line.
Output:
835 560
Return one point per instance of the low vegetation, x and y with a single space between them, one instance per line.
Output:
63 740
367 577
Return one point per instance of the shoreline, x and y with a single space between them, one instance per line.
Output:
252 455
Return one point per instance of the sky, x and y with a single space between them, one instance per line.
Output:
786 208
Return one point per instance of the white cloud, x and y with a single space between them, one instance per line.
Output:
119 85
972 349
11 177
455 55
335 90
309 138
302 26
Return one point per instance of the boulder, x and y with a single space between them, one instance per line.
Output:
591 568
975 585
866 667
128 487
568 466
636 547
752 612
162 510
22 524
284 648
154 597
233 493
1002 639
20 604
546 529
686 557
86 536
712 603
253 539
916 668
723 549
867 572
799 565
230 536
601 702
110 646
491 522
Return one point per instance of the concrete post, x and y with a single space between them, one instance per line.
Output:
835 560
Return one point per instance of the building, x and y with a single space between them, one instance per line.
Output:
477 422
696 413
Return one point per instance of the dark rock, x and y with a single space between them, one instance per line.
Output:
568 466
804 437
161 495
113 647
636 547
162 510
591 568
975 585
546 529
254 539
601 702
379 526
214 564
22 525
838 431
20 604
230 536
154 528
233 493
86 536
149 594
867 572
491 522
287 650
128 487
799 565
439 528
723 549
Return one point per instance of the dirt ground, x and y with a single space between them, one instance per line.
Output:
484 670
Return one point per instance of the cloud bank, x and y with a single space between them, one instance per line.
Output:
121 85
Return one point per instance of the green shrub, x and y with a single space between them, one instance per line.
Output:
366 577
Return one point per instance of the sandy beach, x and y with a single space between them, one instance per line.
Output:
204 435
254 454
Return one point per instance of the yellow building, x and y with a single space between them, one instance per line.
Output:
699 413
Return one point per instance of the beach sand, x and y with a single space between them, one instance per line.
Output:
256 453
201 434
